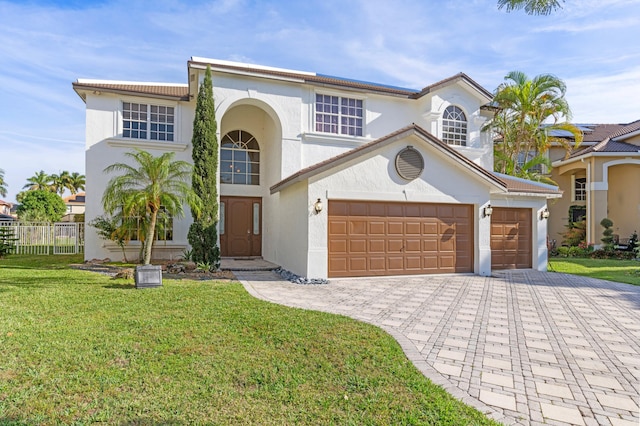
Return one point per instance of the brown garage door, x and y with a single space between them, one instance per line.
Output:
510 238
379 238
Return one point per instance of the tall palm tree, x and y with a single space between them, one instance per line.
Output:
59 183
152 183
531 7
39 181
3 184
529 111
76 183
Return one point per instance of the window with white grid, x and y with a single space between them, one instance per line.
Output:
454 126
335 114
580 189
151 122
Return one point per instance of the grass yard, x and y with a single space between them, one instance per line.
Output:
623 271
77 347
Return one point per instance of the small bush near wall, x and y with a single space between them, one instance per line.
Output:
613 254
581 250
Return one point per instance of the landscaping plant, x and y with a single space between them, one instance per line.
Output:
203 232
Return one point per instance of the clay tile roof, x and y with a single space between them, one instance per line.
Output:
453 79
629 128
519 185
600 132
312 78
178 91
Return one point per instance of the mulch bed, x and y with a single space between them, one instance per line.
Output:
115 271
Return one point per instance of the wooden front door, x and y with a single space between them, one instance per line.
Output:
240 226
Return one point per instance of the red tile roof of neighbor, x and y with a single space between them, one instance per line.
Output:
608 143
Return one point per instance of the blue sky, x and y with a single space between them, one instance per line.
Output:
46 45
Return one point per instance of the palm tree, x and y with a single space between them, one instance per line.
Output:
142 190
39 181
59 183
528 113
531 7
76 183
3 184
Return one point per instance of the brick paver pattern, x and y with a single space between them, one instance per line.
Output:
524 347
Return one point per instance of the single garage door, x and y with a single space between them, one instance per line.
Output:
510 238
380 238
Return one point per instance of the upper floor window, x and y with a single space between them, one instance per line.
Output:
454 126
143 121
239 159
335 114
580 189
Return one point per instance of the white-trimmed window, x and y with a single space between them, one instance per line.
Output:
338 115
239 159
149 122
454 126
580 189
164 227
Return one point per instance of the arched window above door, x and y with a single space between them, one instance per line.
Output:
239 159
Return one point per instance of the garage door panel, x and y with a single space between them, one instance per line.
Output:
377 264
412 228
511 239
395 263
338 246
338 208
395 245
358 246
376 228
358 227
413 263
395 227
413 245
400 238
358 264
377 210
377 246
358 209
338 227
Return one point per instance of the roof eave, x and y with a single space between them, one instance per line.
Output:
97 90
414 129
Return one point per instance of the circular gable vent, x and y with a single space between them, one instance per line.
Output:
409 163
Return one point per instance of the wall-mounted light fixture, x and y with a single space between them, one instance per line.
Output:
317 206
486 212
544 214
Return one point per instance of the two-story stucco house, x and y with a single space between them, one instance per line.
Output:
600 180
327 176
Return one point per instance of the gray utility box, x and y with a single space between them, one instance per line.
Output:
148 276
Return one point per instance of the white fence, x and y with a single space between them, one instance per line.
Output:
48 238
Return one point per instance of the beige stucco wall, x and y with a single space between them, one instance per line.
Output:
624 198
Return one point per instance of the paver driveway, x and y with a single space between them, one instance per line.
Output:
525 347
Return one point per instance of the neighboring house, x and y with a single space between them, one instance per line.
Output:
5 207
75 205
600 179
330 177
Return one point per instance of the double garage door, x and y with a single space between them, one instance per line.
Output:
382 238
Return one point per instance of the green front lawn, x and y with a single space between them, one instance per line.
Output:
77 347
623 271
